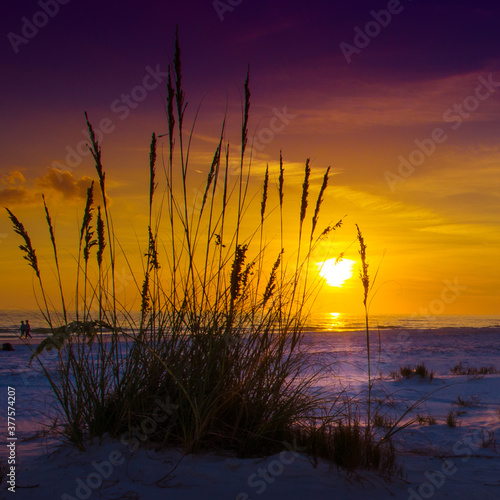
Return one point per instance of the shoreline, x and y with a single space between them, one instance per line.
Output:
16 340
37 336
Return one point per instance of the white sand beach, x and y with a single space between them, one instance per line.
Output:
437 461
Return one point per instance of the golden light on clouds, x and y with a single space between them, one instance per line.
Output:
336 273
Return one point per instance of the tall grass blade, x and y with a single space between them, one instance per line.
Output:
56 258
365 280
30 257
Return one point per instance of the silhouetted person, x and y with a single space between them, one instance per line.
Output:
27 329
23 329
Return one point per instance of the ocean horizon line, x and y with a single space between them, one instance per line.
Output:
325 322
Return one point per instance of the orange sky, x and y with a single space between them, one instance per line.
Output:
414 151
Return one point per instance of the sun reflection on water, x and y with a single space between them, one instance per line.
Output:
335 321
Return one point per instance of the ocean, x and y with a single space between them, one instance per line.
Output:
333 322
344 322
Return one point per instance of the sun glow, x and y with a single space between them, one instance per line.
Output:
336 273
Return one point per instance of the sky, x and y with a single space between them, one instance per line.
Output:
400 98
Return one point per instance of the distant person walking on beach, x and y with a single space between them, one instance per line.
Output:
27 330
23 329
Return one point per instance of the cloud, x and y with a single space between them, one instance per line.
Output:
54 184
65 183
477 231
359 105
15 196
14 192
374 203
13 179
465 179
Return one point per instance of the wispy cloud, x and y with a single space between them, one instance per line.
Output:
357 104
478 232
374 204
457 172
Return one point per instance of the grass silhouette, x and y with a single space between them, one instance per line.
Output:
218 343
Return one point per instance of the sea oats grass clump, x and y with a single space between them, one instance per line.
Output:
219 339
214 358
408 372
472 372
451 419
341 439
426 420
471 402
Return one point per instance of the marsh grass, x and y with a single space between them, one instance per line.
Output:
382 420
489 440
451 419
472 402
408 372
341 439
472 371
349 447
422 372
426 420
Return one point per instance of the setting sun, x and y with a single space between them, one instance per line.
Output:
336 272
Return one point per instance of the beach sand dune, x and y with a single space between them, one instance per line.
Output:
438 461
